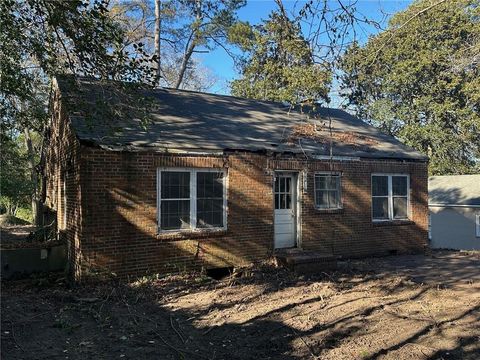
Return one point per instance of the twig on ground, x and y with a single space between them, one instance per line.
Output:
306 345
86 300
176 331
104 301
420 345
178 350
13 336
208 330
31 317
429 320
131 314
329 276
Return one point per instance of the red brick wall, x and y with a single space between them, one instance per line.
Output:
350 232
63 193
119 233
120 228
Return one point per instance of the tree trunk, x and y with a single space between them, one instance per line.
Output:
36 206
158 29
185 61
191 45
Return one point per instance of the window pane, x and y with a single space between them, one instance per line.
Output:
320 182
277 201
328 199
209 184
175 185
380 185
399 185
322 198
288 181
209 199
400 207
175 214
380 207
288 204
334 199
282 184
209 213
332 182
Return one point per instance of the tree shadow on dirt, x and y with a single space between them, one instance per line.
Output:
425 330
138 321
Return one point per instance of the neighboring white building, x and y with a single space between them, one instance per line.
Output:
454 204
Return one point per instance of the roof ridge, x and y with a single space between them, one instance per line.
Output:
171 89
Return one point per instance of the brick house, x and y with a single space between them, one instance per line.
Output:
216 181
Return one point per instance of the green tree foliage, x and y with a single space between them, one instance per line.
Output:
419 80
280 64
15 181
42 38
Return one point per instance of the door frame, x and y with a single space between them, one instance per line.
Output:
297 206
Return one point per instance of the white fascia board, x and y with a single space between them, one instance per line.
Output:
454 205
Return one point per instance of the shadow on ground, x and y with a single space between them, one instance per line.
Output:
265 313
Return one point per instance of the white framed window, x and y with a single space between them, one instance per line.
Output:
477 225
390 197
189 199
328 190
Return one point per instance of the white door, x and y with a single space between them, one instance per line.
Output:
285 210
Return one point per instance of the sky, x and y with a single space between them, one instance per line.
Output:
221 65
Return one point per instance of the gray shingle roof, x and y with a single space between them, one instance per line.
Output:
192 121
454 190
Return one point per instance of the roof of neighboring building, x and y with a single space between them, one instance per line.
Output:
454 190
179 120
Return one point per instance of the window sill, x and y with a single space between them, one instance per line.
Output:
191 234
330 211
392 222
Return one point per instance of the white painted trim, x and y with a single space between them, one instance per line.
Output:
336 158
64 204
297 204
477 225
193 152
193 198
157 150
299 196
328 173
390 197
454 205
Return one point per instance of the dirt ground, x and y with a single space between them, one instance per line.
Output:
381 308
15 234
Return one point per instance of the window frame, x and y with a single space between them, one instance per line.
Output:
477 225
339 189
193 199
390 197
64 201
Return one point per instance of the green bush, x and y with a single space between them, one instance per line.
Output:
25 214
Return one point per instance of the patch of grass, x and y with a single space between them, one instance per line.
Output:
364 354
202 279
25 214
10 220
